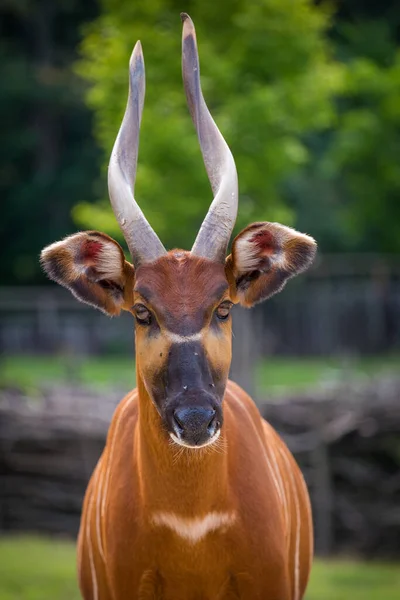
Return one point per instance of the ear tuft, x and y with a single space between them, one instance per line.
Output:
264 256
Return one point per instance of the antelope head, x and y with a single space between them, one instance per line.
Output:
181 300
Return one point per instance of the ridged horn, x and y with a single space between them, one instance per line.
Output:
143 243
215 232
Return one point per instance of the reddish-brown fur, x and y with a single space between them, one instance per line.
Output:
164 522
181 306
253 559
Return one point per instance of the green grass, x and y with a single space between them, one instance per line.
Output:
274 373
42 569
32 371
37 569
277 373
348 580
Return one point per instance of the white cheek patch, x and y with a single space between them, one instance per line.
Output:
194 529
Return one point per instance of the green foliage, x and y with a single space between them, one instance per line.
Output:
349 196
47 155
267 76
365 152
307 100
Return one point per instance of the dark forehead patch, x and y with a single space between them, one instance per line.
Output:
181 287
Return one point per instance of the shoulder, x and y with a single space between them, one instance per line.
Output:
241 407
237 399
125 414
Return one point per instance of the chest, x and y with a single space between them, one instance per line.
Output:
210 559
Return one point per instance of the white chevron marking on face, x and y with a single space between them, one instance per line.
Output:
175 338
194 529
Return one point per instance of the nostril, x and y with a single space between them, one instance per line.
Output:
212 423
179 419
212 418
195 418
195 424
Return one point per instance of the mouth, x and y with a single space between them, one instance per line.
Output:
209 442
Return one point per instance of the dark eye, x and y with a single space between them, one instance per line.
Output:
142 314
223 310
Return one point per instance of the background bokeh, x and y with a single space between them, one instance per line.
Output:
307 95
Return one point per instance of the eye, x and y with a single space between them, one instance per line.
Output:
223 310
142 314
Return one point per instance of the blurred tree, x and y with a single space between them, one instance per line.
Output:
48 157
267 76
365 151
308 103
349 194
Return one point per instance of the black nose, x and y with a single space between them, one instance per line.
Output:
195 425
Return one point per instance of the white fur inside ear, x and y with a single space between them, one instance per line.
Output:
249 255
108 261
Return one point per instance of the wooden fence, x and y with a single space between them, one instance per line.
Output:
345 304
346 440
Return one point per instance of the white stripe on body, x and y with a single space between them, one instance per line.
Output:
84 530
309 517
91 559
279 477
282 498
298 525
98 515
271 470
107 478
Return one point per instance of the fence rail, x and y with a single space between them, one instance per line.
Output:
347 303
346 440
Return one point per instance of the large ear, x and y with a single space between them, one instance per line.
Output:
93 267
264 256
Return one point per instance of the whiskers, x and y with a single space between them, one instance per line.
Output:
220 446
177 451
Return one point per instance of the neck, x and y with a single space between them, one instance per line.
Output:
195 480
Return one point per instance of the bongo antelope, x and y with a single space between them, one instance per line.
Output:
195 496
